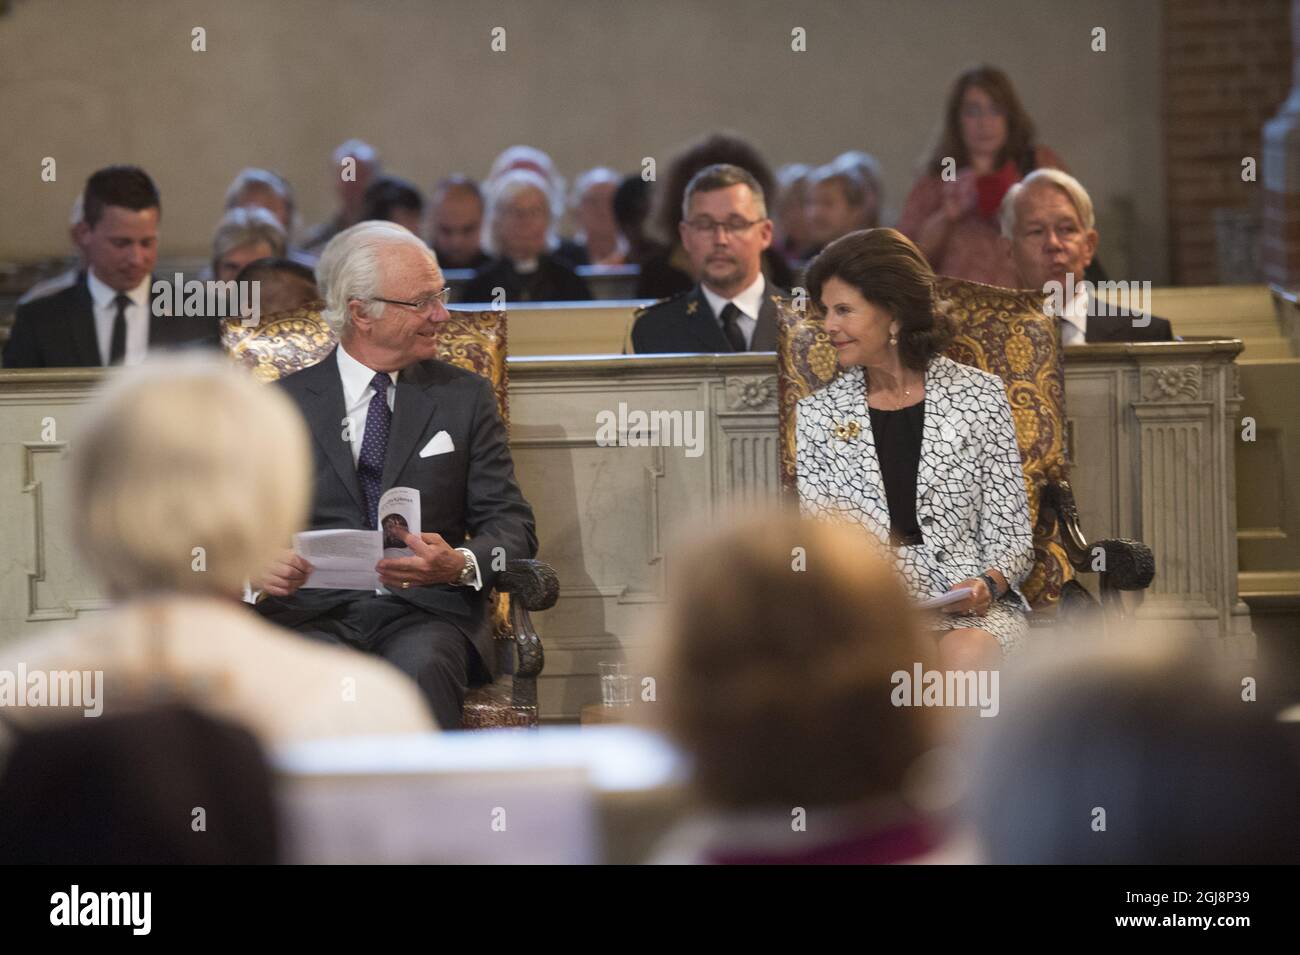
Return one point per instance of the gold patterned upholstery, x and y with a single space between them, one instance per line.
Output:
1002 331
279 344
1005 332
476 341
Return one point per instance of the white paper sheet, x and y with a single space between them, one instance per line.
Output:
944 599
344 559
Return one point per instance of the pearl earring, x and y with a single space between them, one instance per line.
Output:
893 339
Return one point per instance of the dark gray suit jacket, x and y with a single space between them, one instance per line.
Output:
470 490
686 323
58 331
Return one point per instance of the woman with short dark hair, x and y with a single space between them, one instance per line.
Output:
919 449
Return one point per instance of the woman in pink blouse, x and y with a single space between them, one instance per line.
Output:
987 145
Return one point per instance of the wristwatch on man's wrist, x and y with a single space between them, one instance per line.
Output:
991 584
469 572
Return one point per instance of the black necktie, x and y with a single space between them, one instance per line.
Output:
117 345
374 446
731 327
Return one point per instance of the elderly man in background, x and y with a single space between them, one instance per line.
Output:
725 231
264 189
384 412
351 189
456 222
1050 234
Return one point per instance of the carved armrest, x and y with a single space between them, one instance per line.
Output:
533 582
1129 564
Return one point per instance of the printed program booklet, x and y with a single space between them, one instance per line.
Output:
345 559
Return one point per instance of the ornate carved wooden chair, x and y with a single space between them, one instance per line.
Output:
1005 332
289 341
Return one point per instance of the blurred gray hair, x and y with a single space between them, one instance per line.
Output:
357 149
247 225
867 168
1073 189
251 179
351 267
501 192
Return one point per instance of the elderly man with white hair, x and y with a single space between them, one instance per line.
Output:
1050 234
384 412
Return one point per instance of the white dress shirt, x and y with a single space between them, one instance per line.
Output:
749 302
137 318
1073 323
357 395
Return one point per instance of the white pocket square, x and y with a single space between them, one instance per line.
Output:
440 443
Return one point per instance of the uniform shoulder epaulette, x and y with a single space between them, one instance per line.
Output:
663 301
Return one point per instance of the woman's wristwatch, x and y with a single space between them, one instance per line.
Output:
991 584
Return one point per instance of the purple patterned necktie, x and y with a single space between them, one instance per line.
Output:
374 445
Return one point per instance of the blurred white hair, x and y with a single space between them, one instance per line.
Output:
186 452
593 177
358 149
501 191
530 157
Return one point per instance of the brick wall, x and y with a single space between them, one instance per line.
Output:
1226 69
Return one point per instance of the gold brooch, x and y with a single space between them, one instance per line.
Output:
848 432
692 305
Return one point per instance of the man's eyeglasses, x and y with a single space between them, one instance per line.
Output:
421 304
733 226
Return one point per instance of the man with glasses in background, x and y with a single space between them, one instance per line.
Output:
732 308
384 412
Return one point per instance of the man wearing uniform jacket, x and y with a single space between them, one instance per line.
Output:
724 231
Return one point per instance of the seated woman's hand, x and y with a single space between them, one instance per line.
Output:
285 575
434 562
977 603
960 196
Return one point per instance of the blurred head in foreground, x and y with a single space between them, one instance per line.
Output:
124 789
190 477
784 633
1133 756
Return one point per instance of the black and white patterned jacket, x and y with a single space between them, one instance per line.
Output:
970 491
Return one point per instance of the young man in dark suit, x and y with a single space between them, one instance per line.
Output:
383 413
724 231
106 317
1050 234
